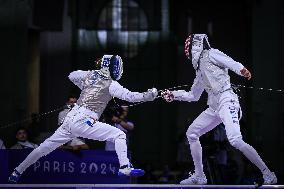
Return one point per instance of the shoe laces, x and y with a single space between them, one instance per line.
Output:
16 173
190 174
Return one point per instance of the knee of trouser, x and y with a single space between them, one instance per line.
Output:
43 150
238 143
191 136
39 151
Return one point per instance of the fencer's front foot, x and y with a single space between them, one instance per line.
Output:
269 178
194 179
14 177
128 170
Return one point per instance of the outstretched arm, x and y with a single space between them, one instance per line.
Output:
116 90
78 77
182 95
219 58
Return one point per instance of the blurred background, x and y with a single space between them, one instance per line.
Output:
42 41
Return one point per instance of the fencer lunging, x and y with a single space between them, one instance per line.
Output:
211 66
97 88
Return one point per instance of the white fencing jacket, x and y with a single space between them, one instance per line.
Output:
211 76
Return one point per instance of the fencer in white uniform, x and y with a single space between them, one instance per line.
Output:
98 87
211 66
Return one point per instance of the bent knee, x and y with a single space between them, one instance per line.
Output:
191 137
42 150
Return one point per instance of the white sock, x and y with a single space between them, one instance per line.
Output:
121 151
196 153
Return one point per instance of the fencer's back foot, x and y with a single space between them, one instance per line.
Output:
128 170
14 177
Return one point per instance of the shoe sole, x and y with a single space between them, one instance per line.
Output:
12 182
193 183
133 173
274 181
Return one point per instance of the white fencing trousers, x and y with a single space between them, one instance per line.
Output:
208 120
79 123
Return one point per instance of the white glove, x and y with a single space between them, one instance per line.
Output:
150 95
167 95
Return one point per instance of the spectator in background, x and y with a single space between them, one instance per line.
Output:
69 105
2 146
117 117
75 144
22 140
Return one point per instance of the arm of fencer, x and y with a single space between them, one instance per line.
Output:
221 59
118 91
192 95
78 77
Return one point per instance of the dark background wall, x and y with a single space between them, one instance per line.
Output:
267 108
54 37
14 60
